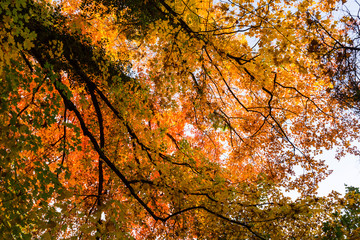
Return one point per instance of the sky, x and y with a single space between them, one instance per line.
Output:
346 171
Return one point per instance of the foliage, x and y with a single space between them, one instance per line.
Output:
346 223
167 119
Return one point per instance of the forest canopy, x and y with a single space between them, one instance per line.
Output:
169 119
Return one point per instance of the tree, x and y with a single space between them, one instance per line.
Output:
338 54
345 52
161 119
346 223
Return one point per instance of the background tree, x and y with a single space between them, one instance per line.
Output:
346 222
338 54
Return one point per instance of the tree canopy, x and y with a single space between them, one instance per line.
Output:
163 119
345 223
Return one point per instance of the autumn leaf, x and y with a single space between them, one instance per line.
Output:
163 119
